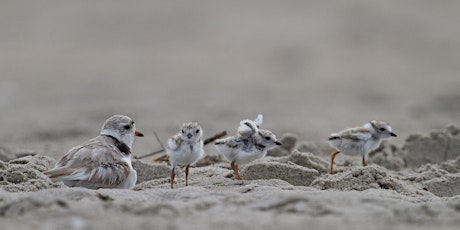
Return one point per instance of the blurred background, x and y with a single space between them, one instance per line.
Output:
310 67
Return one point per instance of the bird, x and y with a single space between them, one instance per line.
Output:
359 140
185 148
102 162
249 144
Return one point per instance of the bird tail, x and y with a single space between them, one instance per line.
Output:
58 172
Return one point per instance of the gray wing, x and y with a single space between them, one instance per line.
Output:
174 142
228 147
94 164
356 134
232 142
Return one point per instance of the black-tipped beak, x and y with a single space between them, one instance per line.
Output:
278 143
189 135
138 133
393 135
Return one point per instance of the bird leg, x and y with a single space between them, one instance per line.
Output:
236 171
172 178
186 175
364 161
331 170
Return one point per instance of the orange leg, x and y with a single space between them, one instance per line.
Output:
173 174
331 170
364 162
236 171
186 175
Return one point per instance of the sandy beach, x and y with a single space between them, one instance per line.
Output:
311 68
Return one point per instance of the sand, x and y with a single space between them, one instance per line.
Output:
311 68
278 192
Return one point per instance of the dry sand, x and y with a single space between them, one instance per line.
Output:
311 67
290 191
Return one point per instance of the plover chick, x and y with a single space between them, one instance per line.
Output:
360 140
102 162
185 148
246 147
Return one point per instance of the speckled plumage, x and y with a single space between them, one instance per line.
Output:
250 143
185 148
360 140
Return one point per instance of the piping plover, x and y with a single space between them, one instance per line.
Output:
102 162
360 140
185 148
251 143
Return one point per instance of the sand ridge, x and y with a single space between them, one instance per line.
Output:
288 190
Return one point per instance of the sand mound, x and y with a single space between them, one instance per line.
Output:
290 172
38 162
388 156
298 168
358 178
25 174
309 160
288 141
147 171
440 179
437 147
446 186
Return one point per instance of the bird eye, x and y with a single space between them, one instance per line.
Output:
197 131
183 131
127 127
382 129
267 138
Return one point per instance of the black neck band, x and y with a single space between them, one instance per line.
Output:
120 146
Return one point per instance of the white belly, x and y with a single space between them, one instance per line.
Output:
246 157
352 148
131 180
229 153
185 155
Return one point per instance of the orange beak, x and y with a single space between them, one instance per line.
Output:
138 133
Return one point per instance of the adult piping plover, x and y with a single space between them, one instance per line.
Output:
360 140
102 162
251 143
185 148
